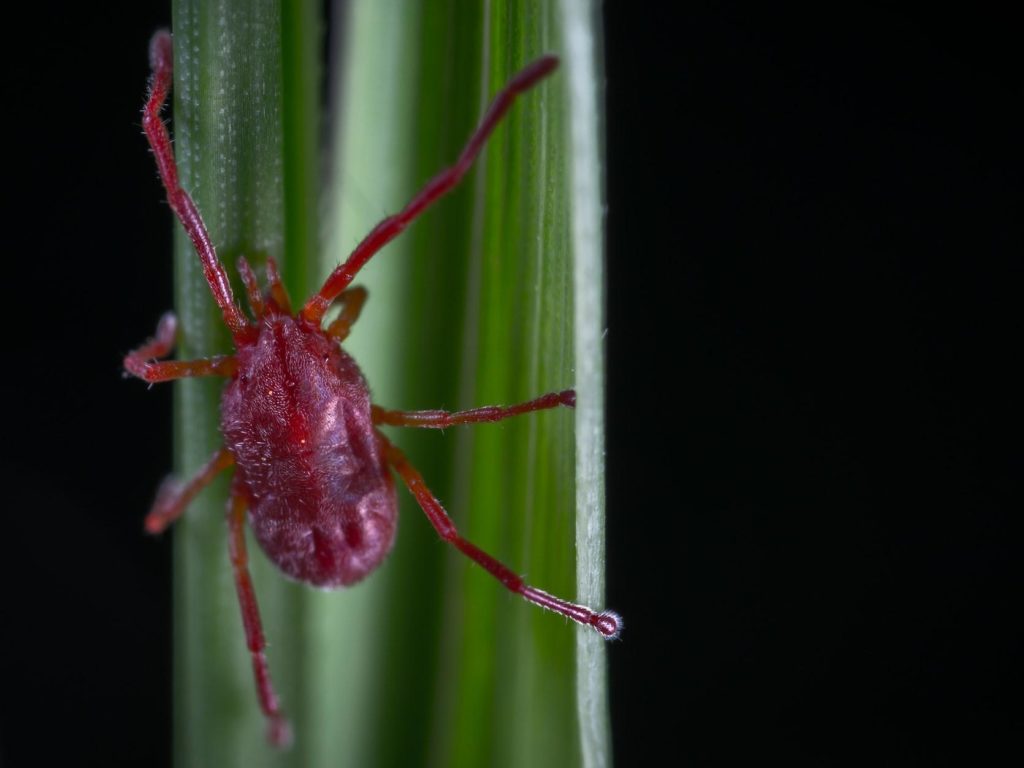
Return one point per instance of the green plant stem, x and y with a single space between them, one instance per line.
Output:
429 661
582 40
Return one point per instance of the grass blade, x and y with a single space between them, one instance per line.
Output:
245 158
582 40
429 661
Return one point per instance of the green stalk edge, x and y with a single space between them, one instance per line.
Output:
429 662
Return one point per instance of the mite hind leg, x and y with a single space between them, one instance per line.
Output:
278 730
606 623
174 497
444 419
142 361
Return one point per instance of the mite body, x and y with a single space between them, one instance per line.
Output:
312 472
297 420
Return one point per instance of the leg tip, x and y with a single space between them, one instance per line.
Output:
166 497
167 329
154 525
609 625
279 733
160 50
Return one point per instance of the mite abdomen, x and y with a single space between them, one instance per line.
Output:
297 420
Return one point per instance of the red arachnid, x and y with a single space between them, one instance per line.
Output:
311 470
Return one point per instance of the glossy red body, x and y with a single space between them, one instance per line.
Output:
297 419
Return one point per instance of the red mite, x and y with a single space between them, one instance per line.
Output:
311 467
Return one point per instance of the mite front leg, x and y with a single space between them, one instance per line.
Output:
607 623
277 291
252 288
141 361
443 419
352 301
279 732
161 60
173 498
439 186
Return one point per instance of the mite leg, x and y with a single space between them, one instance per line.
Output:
154 373
162 63
140 362
252 287
436 188
607 623
278 730
353 300
443 419
277 291
173 498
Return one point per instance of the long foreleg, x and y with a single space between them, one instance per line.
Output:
161 60
388 229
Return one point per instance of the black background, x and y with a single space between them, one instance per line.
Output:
814 443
